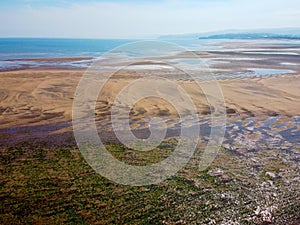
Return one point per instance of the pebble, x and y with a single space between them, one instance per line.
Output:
270 174
216 172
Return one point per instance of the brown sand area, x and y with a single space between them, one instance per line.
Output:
42 97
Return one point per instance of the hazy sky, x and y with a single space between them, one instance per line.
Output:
140 19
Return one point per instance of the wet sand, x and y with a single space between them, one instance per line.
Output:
37 104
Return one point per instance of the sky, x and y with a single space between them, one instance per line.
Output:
140 19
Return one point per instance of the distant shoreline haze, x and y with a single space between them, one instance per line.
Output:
282 33
252 36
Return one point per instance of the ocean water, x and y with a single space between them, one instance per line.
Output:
24 48
16 53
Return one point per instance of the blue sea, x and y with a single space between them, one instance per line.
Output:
22 53
22 48
16 53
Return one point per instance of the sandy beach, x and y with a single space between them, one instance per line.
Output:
34 98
